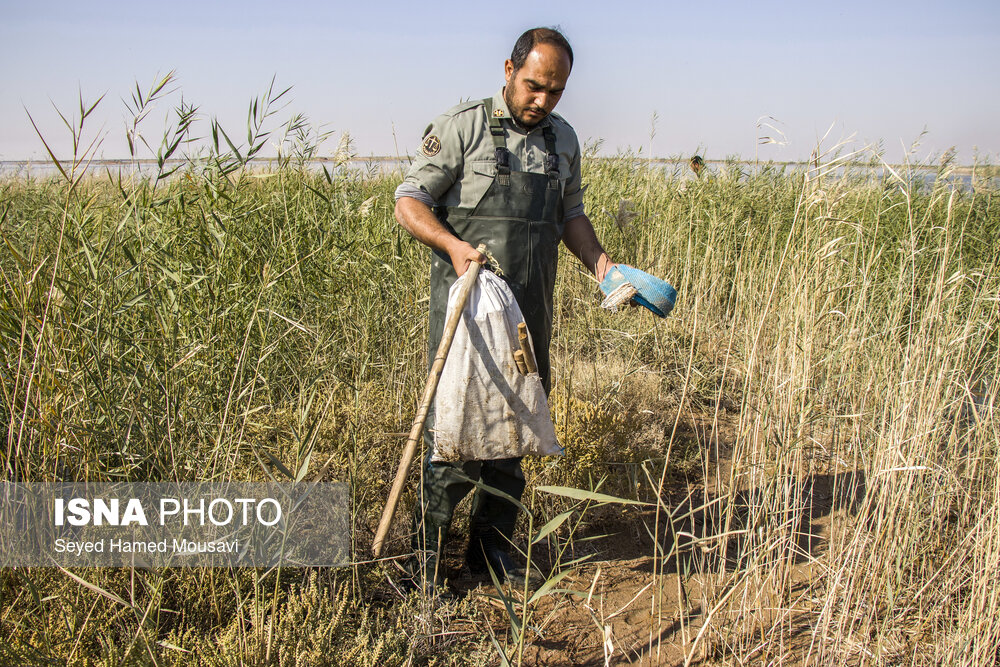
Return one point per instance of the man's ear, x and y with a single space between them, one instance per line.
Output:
508 69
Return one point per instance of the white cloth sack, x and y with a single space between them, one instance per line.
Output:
484 408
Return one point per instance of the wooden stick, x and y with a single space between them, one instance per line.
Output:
522 338
522 368
410 448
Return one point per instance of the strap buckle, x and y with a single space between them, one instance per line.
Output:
503 165
552 168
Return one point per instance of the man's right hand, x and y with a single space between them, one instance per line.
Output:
462 255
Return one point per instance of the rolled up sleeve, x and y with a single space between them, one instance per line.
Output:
409 190
573 193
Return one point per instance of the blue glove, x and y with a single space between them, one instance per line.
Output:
652 293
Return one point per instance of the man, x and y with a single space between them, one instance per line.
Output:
504 171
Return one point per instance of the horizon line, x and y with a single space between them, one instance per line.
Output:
26 162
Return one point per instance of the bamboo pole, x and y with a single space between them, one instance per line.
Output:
519 361
529 357
410 448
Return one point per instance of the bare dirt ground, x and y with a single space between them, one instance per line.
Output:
630 608
624 604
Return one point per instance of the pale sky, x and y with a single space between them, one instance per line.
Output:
882 71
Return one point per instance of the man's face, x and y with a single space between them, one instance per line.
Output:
533 91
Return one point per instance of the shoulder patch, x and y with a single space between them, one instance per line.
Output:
431 146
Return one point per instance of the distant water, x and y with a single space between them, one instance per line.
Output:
921 175
380 165
42 169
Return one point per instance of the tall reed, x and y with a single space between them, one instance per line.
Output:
810 439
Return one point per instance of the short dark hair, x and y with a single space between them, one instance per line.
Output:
532 38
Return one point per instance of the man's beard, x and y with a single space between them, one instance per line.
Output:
513 114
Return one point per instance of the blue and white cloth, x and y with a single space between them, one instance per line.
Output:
652 293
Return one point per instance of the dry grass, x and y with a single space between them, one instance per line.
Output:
812 434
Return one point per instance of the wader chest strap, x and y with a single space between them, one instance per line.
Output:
499 144
551 157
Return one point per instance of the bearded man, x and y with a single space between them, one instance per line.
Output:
504 171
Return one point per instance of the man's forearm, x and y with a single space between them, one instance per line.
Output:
419 220
581 240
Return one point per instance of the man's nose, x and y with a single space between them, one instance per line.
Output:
542 100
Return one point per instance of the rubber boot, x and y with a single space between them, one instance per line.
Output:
426 569
485 553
